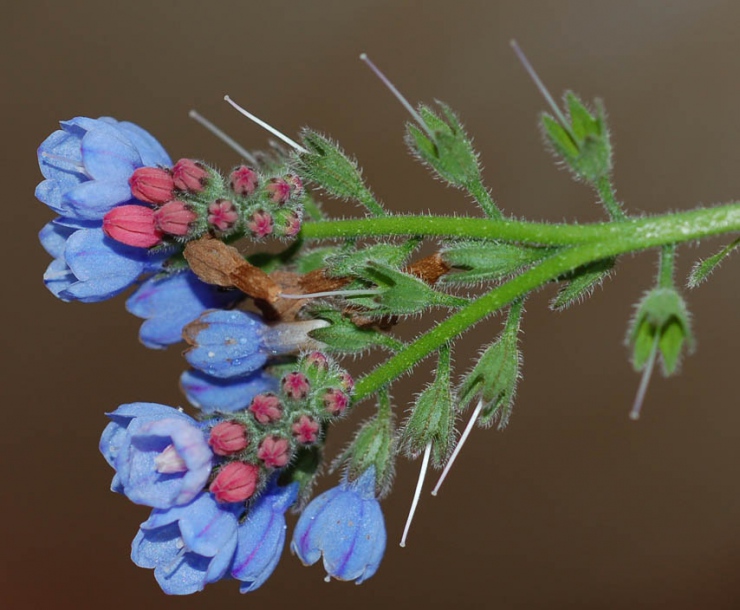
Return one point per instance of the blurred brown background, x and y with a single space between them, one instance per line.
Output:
573 506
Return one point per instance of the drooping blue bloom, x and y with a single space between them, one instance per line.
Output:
211 394
235 343
346 526
88 266
188 546
161 456
87 165
169 303
261 537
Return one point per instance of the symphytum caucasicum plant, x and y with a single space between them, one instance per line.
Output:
267 331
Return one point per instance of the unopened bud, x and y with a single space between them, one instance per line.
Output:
296 385
189 175
152 185
266 408
274 452
279 190
133 225
260 224
222 214
244 180
175 218
306 430
296 184
335 401
348 383
228 437
317 360
292 225
235 482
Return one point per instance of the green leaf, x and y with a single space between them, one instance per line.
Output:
702 269
584 280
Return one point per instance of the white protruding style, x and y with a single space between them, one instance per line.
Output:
266 126
230 142
458 447
417 493
646 375
397 94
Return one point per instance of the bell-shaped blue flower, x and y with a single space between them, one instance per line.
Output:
188 546
169 303
161 456
211 394
87 165
229 344
261 537
346 526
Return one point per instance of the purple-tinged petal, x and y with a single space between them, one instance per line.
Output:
211 394
108 155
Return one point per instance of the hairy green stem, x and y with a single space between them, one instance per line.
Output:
617 238
666 266
605 189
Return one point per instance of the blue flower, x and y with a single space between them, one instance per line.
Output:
346 526
87 165
234 343
88 266
261 537
169 303
188 546
161 456
211 394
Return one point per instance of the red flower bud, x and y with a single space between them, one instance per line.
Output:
152 185
222 214
306 430
296 385
296 184
317 360
244 180
175 218
292 225
266 408
279 190
235 482
260 224
132 225
335 401
228 437
345 379
274 452
189 175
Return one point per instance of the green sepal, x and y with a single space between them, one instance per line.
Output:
432 418
404 294
311 260
702 269
347 263
342 336
583 143
333 170
581 283
661 312
494 378
481 261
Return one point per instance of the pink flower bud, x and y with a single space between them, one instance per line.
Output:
335 401
296 385
222 214
266 408
292 225
235 482
228 437
152 185
296 184
169 461
189 175
132 225
274 452
260 224
317 360
279 190
306 430
175 218
244 180
345 379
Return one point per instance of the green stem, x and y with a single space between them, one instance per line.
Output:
605 189
624 237
707 221
666 266
484 199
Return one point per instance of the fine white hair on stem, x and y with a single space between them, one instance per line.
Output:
230 142
417 493
391 87
647 373
267 126
331 293
539 84
458 447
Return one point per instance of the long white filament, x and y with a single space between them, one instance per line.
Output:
458 447
230 142
397 94
266 126
646 374
417 493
